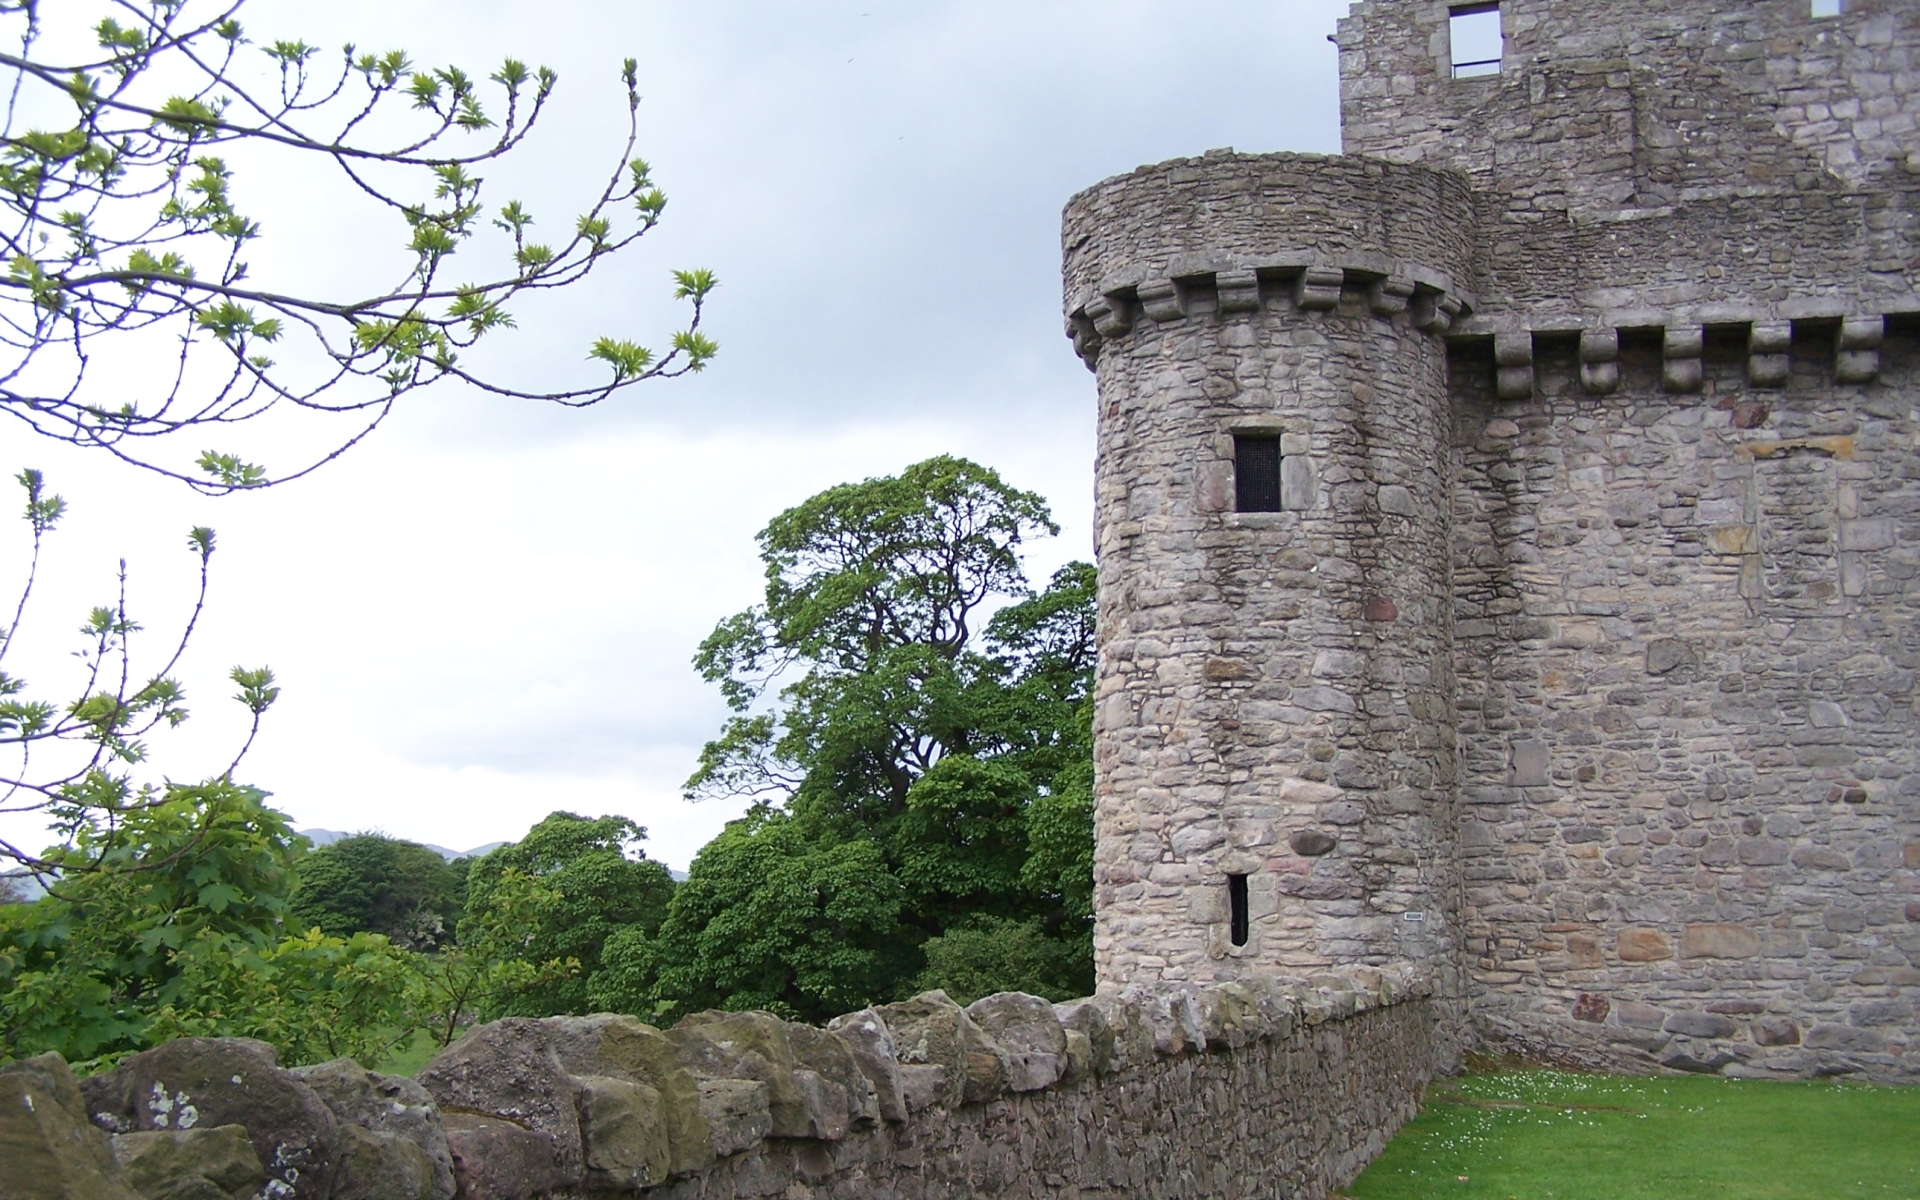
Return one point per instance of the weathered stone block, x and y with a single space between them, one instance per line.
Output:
388 1105
870 1042
383 1166
1311 843
1638 1016
1642 945
167 1162
1530 763
931 1030
50 1149
1583 951
1776 1031
1299 484
1031 1035
1845 1037
1699 1024
736 1113
624 1129
507 1070
190 1083
500 1160
1720 941
758 1046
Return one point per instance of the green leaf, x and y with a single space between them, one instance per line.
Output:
594 229
629 359
693 284
230 470
43 510
697 346
183 114
256 688
291 54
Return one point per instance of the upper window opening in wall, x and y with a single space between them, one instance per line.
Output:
1826 8
1256 473
1473 32
1237 915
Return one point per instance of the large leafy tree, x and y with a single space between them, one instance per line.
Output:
369 883
599 880
903 701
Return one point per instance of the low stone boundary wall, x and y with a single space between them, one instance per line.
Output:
1264 1087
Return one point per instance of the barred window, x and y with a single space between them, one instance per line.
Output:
1256 473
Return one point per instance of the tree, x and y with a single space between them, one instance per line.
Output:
368 883
184 930
127 251
125 243
993 954
601 881
770 919
84 970
100 739
932 723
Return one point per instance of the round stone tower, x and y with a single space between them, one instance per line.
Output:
1275 736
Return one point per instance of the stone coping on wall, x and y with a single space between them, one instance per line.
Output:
606 1104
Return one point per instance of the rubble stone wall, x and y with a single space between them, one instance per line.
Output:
1588 632
1275 688
1687 627
1250 1089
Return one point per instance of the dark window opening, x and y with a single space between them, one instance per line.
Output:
1237 906
1256 474
1475 38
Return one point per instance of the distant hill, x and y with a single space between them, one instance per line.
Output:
326 837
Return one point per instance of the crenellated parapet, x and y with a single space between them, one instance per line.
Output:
1227 234
1766 334
1210 285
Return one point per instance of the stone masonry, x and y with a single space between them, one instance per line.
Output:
1165 1090
1577 661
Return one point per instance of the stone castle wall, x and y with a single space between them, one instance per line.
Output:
1686 631
1657 581
1249 1089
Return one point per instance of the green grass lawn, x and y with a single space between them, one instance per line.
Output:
411 1055
1534 1135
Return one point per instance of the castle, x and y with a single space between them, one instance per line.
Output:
1509 536
1509 542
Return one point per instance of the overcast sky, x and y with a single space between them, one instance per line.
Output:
487 611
